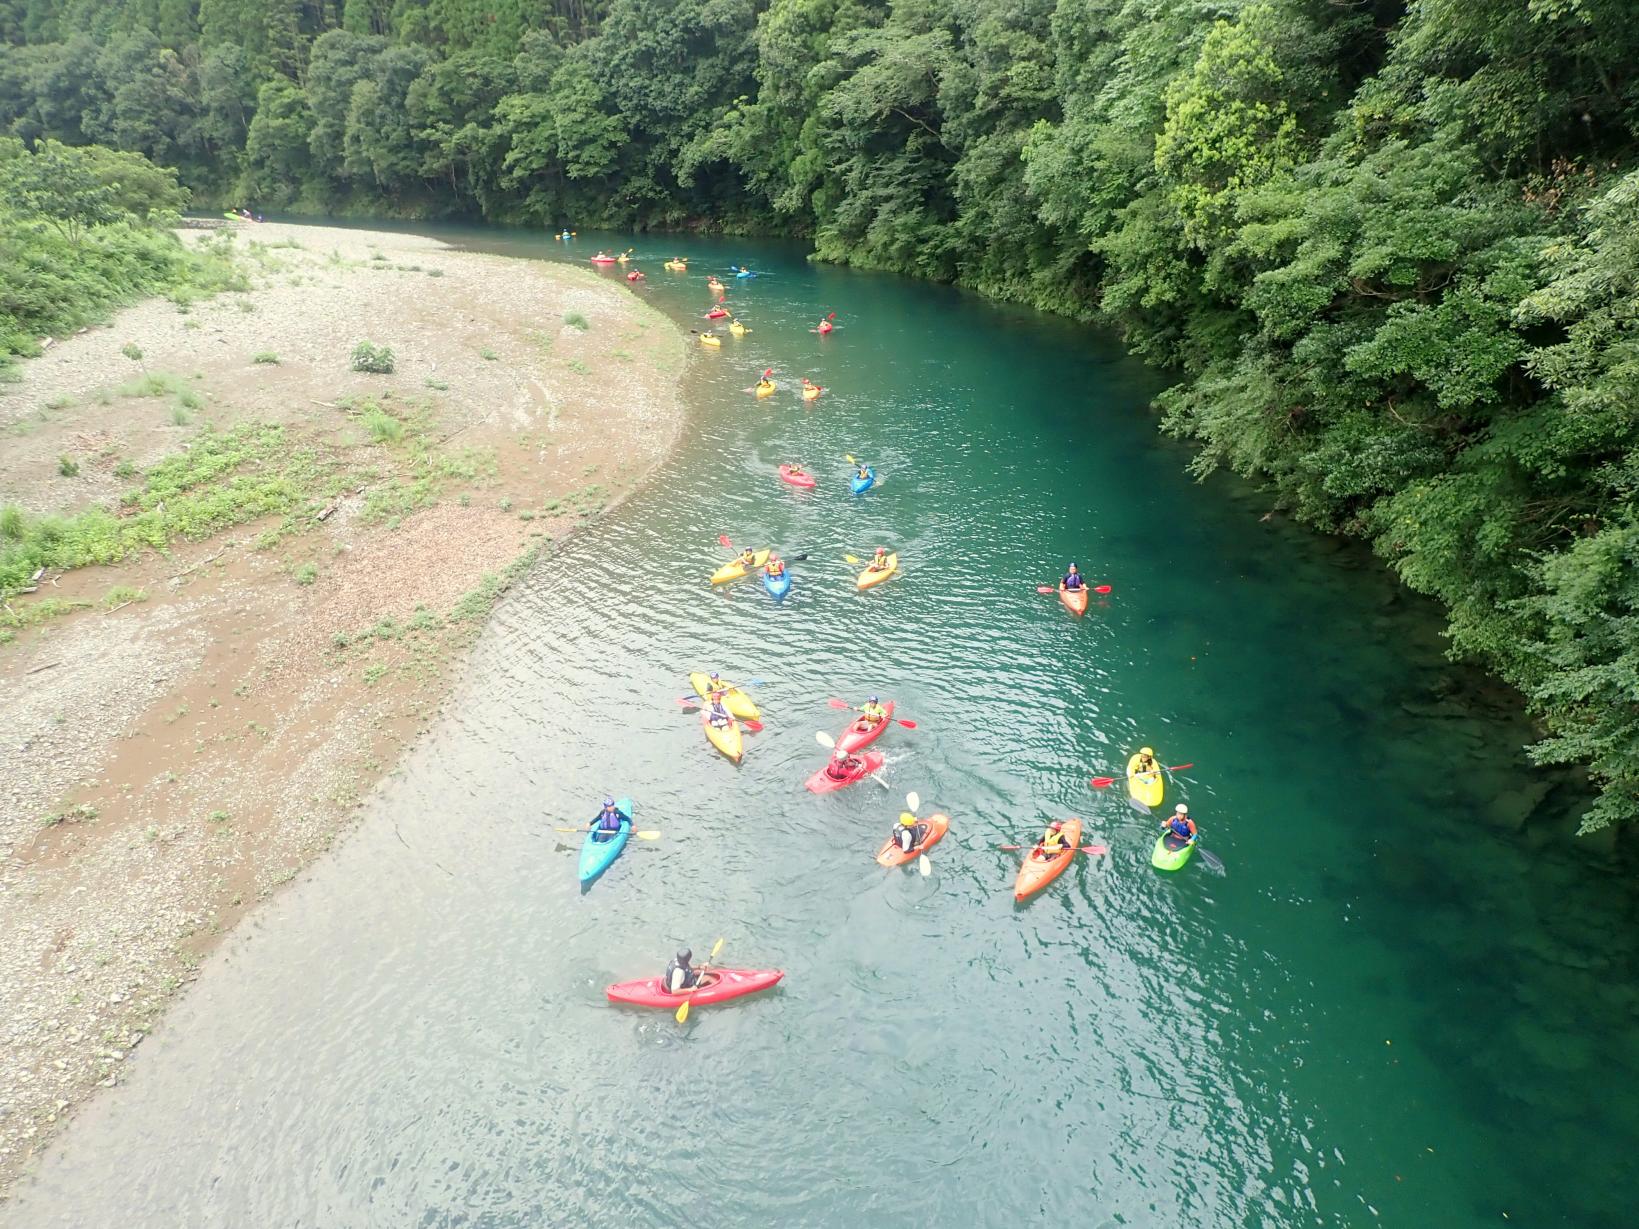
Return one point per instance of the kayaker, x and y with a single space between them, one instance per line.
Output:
808 384
775 565
908 834
864 473
719 716
825 326
680 974
879 562
844 766
796 471
608 821
873 714
748 558
1072 580
1180 825
1146 761
1052 842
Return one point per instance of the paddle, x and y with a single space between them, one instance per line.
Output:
913 804
648 834
1106 782
1096 850
683 1011
1046 589
844 705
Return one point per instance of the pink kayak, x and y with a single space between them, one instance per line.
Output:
716 313
602 260
716 986
822 782
805 481
859 735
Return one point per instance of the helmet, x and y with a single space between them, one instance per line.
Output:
684 955
1180 809
1149 751
1072 567
907 819
1057 825
873 700
608 801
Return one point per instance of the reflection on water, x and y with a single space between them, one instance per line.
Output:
1407 1002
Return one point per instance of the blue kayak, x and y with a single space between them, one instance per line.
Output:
745 273
860 485
595 855
778 586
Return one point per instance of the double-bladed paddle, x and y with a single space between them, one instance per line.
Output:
683 1011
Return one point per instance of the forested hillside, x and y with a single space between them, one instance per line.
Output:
1390 250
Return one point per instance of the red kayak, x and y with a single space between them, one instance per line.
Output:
716 986
822 782
602 260
716 313
805 481
860 735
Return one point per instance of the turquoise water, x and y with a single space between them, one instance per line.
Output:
1409 1001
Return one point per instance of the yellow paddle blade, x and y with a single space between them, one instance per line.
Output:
715 949
846 457
647 835
851 559
683 1012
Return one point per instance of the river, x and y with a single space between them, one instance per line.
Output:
1401 1004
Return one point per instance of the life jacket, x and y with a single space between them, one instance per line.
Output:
872 714
1053 841
720 715
776 567
1183 829
906 838
1074 580
840 769
610 820
748 560
680 977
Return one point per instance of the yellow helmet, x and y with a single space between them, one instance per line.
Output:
907 819
1149 751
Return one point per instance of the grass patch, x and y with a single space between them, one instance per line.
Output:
488 355
267 357
382 426
125 469
369 357
305 574
576 321
68 467
121 595
437 385
579 367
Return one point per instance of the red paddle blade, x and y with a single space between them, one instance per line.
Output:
1045 589
1179 767
1101 588
752 725
1102 782
723 538
836 703
1095 850
909 725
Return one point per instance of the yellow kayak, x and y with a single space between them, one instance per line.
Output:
1147 787
678 266
766 390
735 569
868 577
810 391
735 700
726 739
710 339
738 329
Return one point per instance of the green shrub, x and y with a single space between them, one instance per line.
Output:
124 469
382 426
265 356
68 467
305 574
119 595
369 357
576 321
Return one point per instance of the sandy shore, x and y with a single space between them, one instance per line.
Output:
208 721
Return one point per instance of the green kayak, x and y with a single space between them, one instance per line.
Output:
1171 852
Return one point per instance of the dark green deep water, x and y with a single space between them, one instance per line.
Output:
1411 1000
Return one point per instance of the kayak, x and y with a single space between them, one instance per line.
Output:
1171 852
777 586
716 313
825 326
857 736
867 578
1075 600
678 266
716 986
1147 787
734 569
624 257
602 260
710 339
805 481
891 855
595 855
726 739
735 700
810 391
1035 874
765 390
745 273
713 284
738 329
634 276
822 782
859 485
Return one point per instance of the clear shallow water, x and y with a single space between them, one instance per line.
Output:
1398 1007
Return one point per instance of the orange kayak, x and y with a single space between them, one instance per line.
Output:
891 855
1075 600
1036 874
